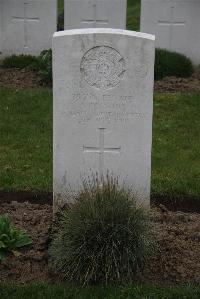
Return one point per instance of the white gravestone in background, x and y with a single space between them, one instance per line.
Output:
103 102
95 14
175 24
28 26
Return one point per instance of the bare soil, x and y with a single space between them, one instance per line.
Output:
174 84
176 258
177 255
32 265
28 79
19 79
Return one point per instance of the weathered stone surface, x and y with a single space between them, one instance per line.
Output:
27 26
175 24
103 102
95 14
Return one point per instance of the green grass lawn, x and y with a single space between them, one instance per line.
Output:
176 144
26 142
26 139
133 13
64 291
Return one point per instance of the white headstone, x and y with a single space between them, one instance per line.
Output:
103 102
95 14
175 24
28 26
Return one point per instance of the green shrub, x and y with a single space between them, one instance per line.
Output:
102 236
11 237
45 62
171 64
19 61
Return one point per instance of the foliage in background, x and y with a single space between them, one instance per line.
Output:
60 6
133 15
60 15
19 61
45 62
41 64
102 236
166 64
11 237
61 21
172 64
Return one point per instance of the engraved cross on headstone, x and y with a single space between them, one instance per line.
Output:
171 24
101 150
25 20
95 21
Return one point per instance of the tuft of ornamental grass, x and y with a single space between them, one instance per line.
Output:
102 236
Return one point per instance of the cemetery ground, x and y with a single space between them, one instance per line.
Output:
26 190
26 131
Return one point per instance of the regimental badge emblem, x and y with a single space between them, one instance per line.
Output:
102 67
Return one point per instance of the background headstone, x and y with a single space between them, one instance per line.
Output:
28 26
95 14
103 102
175 24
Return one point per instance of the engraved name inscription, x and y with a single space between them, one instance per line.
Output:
102 67
105 108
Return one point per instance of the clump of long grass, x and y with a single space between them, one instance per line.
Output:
103 236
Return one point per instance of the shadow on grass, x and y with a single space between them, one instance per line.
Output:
173 202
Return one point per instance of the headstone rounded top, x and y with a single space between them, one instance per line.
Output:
104 31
